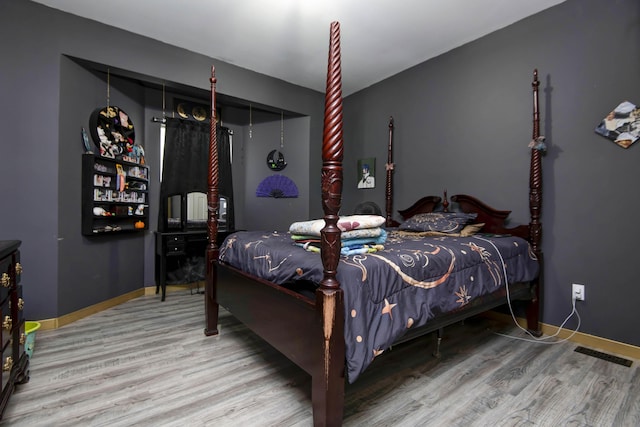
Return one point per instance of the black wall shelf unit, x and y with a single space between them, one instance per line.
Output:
115 196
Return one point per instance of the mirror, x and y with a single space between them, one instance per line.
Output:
174 212
194 210
222 214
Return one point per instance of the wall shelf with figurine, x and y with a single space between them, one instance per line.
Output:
115 195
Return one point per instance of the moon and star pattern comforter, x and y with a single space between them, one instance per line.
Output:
386 293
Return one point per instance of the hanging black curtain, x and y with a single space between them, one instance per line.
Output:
185 164
186 150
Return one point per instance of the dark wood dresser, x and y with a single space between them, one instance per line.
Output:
15 361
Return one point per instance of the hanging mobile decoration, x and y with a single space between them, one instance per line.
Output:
250 122
275 160
108 86
281 129
164 105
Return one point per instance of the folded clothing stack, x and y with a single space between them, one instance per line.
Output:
360 234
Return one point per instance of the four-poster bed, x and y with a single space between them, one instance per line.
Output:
313 328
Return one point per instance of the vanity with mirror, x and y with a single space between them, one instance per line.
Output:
181 236
181 239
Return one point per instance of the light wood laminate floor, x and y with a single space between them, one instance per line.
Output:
148 363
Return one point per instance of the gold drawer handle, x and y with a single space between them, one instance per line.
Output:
7 323
5 280
20 303
8 363
18 268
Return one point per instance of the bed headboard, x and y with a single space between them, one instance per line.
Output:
493 219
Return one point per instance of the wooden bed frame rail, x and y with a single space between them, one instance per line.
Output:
311 333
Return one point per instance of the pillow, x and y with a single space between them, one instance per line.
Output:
471 229
443 222
367 208
468 230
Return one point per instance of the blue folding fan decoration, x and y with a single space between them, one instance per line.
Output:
277 186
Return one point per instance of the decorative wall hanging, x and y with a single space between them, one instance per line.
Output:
162 120
85 141
112 131
275 160
281 129
621 125
277 186
189 110
366 173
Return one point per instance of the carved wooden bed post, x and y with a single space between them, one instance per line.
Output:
535 206
328 385
389 168
210 300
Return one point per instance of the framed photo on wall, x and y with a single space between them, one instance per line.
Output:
367 173
621 125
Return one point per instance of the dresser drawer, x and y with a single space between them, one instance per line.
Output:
18 336
6 363
16 303
6 277
174 245
175 250
6 324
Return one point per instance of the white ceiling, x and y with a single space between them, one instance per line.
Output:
289 39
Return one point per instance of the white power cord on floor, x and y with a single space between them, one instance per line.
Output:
539 340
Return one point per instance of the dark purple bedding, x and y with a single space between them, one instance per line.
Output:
386 293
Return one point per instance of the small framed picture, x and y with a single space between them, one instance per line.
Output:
621 125
367 173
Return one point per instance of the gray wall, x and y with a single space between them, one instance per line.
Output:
106 266
45 98
463 122
267 213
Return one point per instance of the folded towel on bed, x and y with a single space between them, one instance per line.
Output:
346 250
345 224
365 233
349 246
377 238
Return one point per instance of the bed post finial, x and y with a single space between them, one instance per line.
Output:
445 202
211 305
332 154
389 167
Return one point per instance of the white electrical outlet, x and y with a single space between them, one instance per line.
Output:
578 291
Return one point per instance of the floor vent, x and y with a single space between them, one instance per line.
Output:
604 356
